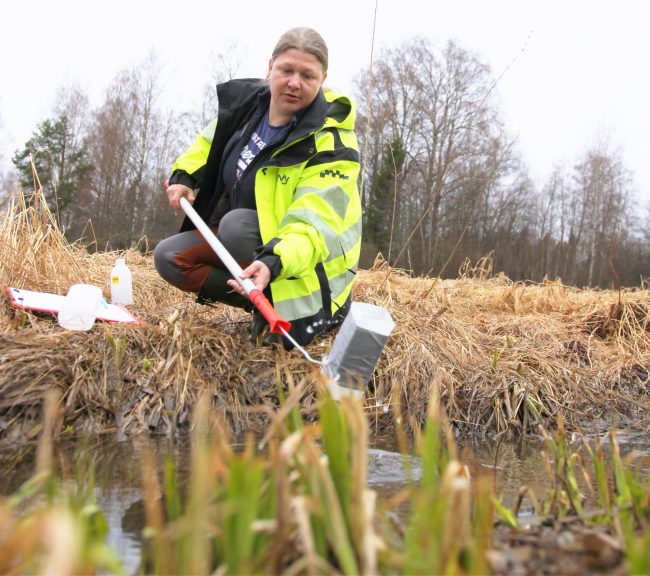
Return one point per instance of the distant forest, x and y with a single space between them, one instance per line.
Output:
444 188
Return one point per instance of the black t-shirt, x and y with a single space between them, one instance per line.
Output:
238 178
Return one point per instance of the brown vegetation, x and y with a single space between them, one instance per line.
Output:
505 356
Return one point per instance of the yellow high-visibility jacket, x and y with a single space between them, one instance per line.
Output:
307 201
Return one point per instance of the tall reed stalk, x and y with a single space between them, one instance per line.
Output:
451 518
632 510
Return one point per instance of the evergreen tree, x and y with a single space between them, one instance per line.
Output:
60 164
379 210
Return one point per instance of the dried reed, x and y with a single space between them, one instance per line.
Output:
505 356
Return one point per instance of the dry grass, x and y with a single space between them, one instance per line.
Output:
504 356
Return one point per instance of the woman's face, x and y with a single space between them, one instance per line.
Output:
295 78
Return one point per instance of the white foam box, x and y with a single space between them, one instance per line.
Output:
357 348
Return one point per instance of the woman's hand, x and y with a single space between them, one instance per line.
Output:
176 191
258 272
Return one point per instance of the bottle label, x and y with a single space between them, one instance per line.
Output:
115 279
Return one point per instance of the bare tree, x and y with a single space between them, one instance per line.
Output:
132 149
6 178
602 184
552 224
71 102
225 64
436 102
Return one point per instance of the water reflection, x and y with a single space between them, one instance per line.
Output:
509 465
386 468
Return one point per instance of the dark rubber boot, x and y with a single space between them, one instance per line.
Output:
216 289
259 325
261 334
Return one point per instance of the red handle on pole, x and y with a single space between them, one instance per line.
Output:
276 322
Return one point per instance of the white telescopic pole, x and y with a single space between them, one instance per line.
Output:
233 267
229 262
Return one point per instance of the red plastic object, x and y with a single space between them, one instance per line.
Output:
276 322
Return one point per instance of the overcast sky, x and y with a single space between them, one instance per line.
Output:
574 72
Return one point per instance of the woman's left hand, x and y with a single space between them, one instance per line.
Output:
258 272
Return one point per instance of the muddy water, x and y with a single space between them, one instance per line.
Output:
509 465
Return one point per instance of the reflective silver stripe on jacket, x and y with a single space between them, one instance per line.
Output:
337 244
301 306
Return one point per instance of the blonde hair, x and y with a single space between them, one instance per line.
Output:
303 39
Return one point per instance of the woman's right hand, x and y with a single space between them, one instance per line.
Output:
176 191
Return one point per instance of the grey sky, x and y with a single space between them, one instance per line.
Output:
573 70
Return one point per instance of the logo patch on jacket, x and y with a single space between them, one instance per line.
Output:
334 174
283 178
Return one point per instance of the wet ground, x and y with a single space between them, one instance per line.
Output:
509 465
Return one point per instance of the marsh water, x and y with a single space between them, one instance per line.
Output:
117 474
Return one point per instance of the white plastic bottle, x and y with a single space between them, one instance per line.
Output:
121 283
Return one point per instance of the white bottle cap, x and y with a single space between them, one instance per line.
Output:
119 261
